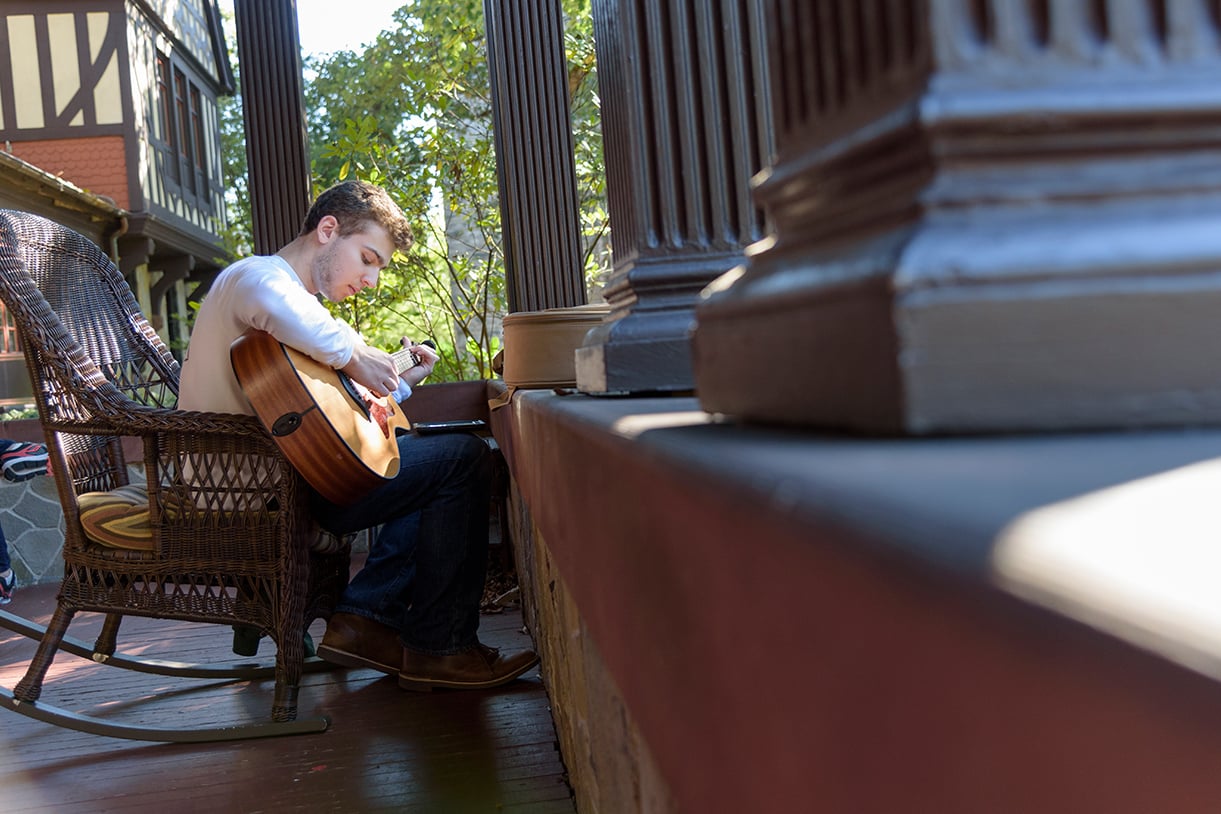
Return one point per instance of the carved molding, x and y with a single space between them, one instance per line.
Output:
1021 196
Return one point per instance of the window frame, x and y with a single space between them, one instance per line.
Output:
180 136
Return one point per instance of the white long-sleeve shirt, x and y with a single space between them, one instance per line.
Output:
260 292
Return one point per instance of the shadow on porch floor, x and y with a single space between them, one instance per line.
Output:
386 749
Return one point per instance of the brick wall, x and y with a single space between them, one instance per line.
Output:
96 164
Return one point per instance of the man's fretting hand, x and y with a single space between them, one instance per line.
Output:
428 357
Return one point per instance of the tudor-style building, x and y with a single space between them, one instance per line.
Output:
113 104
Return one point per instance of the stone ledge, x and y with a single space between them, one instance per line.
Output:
24 429
872 622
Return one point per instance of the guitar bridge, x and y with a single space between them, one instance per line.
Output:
357 397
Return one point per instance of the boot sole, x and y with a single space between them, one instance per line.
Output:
429 684
347 659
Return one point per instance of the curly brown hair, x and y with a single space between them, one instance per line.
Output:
356 203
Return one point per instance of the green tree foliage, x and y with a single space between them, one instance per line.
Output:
239 233
586 117
412 113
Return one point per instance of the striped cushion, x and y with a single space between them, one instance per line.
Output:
118 518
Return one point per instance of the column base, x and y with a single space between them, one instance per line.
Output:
622 368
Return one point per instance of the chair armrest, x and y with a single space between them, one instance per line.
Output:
217 453
218 483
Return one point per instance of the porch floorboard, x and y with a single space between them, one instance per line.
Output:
385 750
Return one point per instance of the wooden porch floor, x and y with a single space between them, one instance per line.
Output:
385 750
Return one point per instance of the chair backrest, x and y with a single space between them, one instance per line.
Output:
91 354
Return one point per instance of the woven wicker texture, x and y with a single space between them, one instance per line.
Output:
236 549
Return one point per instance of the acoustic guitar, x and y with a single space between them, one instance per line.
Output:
340 437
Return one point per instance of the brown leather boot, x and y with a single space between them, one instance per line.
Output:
355 641
478 667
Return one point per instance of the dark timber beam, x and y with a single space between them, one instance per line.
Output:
277 150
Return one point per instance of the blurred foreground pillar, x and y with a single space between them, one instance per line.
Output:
989 216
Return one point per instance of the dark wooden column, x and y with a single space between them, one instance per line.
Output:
686 123
277 150
989 215
534 157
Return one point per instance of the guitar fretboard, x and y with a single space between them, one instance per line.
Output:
404 359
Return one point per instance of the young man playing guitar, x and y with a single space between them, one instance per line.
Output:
413 609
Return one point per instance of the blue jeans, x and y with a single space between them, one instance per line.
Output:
427 564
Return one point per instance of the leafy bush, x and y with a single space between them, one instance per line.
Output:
412 113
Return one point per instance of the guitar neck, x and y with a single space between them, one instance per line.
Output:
404 359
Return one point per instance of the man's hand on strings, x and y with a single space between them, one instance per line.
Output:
428 357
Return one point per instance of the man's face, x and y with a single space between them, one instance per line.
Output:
349 263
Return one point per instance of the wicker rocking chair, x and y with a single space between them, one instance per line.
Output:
228 539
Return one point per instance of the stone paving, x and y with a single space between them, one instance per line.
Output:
34 527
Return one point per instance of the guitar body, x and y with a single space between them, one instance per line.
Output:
343 444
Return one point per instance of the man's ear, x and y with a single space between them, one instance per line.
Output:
327 229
